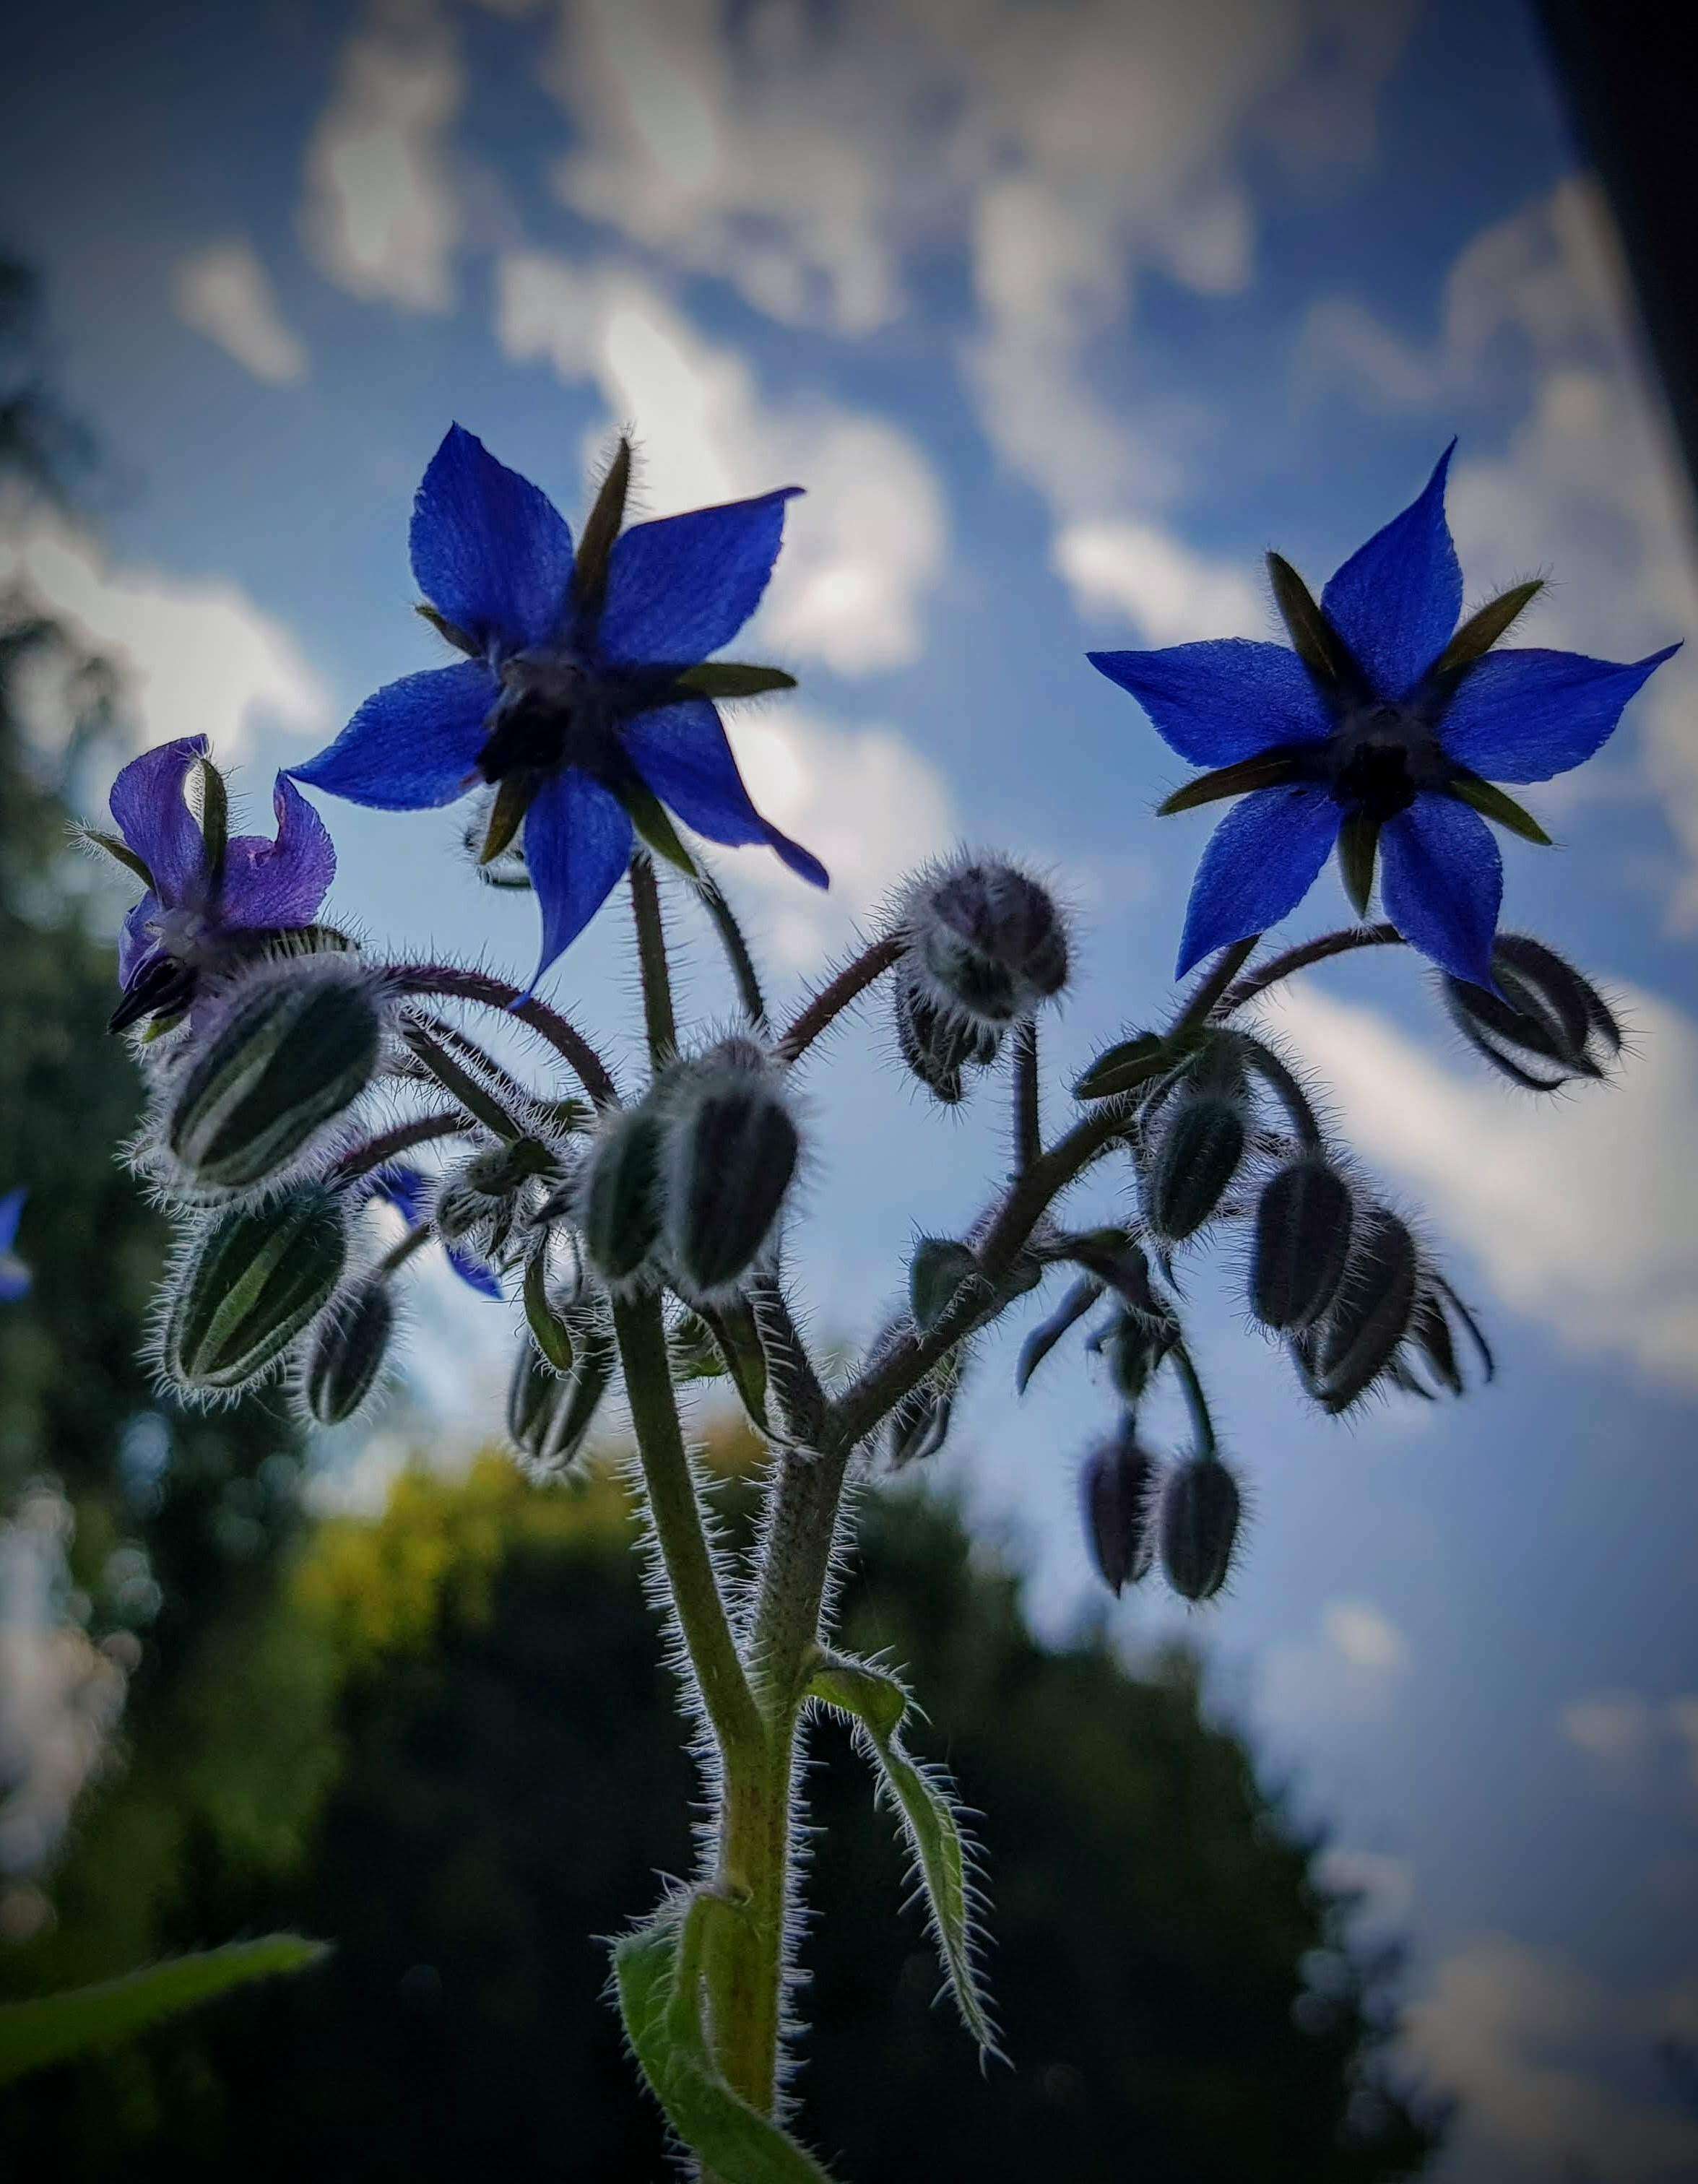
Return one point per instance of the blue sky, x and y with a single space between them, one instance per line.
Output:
1063 315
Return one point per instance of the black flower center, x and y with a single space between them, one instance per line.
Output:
549 715
1381 759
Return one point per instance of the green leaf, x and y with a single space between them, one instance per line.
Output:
444 628
939 1269
1358 853
114 847
657 1971
57 2027
1268 770
1491 803
1123 1067
553 1336
877 1702
1481 631
727 679
1313 639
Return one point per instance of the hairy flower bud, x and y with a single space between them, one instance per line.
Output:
1550 1026
1197 1154
937 1045
1135 1343
1117 1494
549 1414
1303 1223
347 1354
619 1199
296 1045
1371 1314
988 938
920 1426
1199 1526
252 1284
732 1147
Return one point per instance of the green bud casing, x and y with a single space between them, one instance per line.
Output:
1117 1494
1196 1157
1199 1524
252 1284
731 1151
549 1414
620 1198
1303 1223
1369 1318
346 1357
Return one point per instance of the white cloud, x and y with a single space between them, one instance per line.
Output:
382 216
1544 2057
1346 1674
1385 1885
1616 1729
196 654
862 547
1169 592
1582 1211
225 293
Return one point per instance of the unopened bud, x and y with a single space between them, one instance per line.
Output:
937 1045
936 1273
549 1414
348 1352
1200 1526
1196 1157
1117 1492
252 1284
1303 1224
1550 1026
989 938
1135 1343
1371 1314
732 1148
920 1426
620 1198
298 1045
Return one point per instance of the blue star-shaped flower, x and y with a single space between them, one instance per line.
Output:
206 899
407 1189
1383 732
584 696
15 1277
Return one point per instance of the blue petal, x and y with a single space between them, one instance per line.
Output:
1527 715
1441 881
412 744
474 1273
11 1213
577 844
406 1188
15 1277
490 552
1262 860
1227 699
679 588
681 752
153 817
281 883
136 938
1395 601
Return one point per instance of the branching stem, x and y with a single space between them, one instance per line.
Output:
458 984
1300 958
830 1002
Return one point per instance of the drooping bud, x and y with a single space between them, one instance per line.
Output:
1303 1224
1431 1341
918 1426
1371 1314
1117 1495
1135 1343
1197 1154
1551 1024
936 1273
938 1046
731 1149
1200 1507
348 1352
254 1282
990 940
619 1199
297 1044
549 1414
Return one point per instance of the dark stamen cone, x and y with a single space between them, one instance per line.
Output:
1199 1526
1303 1223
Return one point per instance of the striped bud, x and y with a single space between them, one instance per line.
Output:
1303 1223
1117 1495
348 1352
989 938
1550 1025
1356 1341
252 1284
1196 1157
549 1414
1199 1526
731 1151
937 1045
619 1201
298 1044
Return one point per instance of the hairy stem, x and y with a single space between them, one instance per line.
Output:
830 1002
737 951
1028 1134
1300 958
378 1152
658 1018
451 980
1203 1001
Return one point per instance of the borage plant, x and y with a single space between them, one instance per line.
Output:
643 1226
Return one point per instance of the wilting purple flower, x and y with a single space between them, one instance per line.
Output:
574 697
1387 722
203 906
407 1189
15 1277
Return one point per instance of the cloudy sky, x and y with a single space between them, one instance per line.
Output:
1062 315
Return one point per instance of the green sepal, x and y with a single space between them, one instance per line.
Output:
513 800
1121 1069
657 1977
1043 1339
939 1270
649 816
444 628
479 1102
1313 639
214 826
878 1703
729 679
1481 631
1490 802
114 846
54 2028
602 526
737 1338
1268 770
549 1330
1358 855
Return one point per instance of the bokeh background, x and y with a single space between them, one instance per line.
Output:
1062 314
